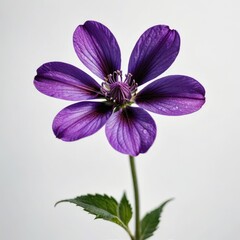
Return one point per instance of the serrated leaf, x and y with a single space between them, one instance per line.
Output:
125 210
102 206
149 223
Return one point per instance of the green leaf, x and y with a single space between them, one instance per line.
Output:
104 207
149 223
125 210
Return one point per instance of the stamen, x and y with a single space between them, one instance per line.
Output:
116 90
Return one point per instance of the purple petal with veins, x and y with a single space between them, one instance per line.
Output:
64 81
172 95
97 48
153 53
131 131
81 120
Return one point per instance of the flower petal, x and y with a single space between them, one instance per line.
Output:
153 53
80 120
64 81
97 48
131 131
172 95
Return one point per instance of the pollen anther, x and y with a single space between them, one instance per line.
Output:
120 92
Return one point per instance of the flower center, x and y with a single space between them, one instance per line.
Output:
120 92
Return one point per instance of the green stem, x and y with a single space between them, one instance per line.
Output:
129 233
136 196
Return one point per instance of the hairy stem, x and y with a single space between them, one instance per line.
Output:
136 196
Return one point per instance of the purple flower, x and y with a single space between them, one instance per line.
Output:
130 130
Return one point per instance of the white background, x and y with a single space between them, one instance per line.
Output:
195 158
